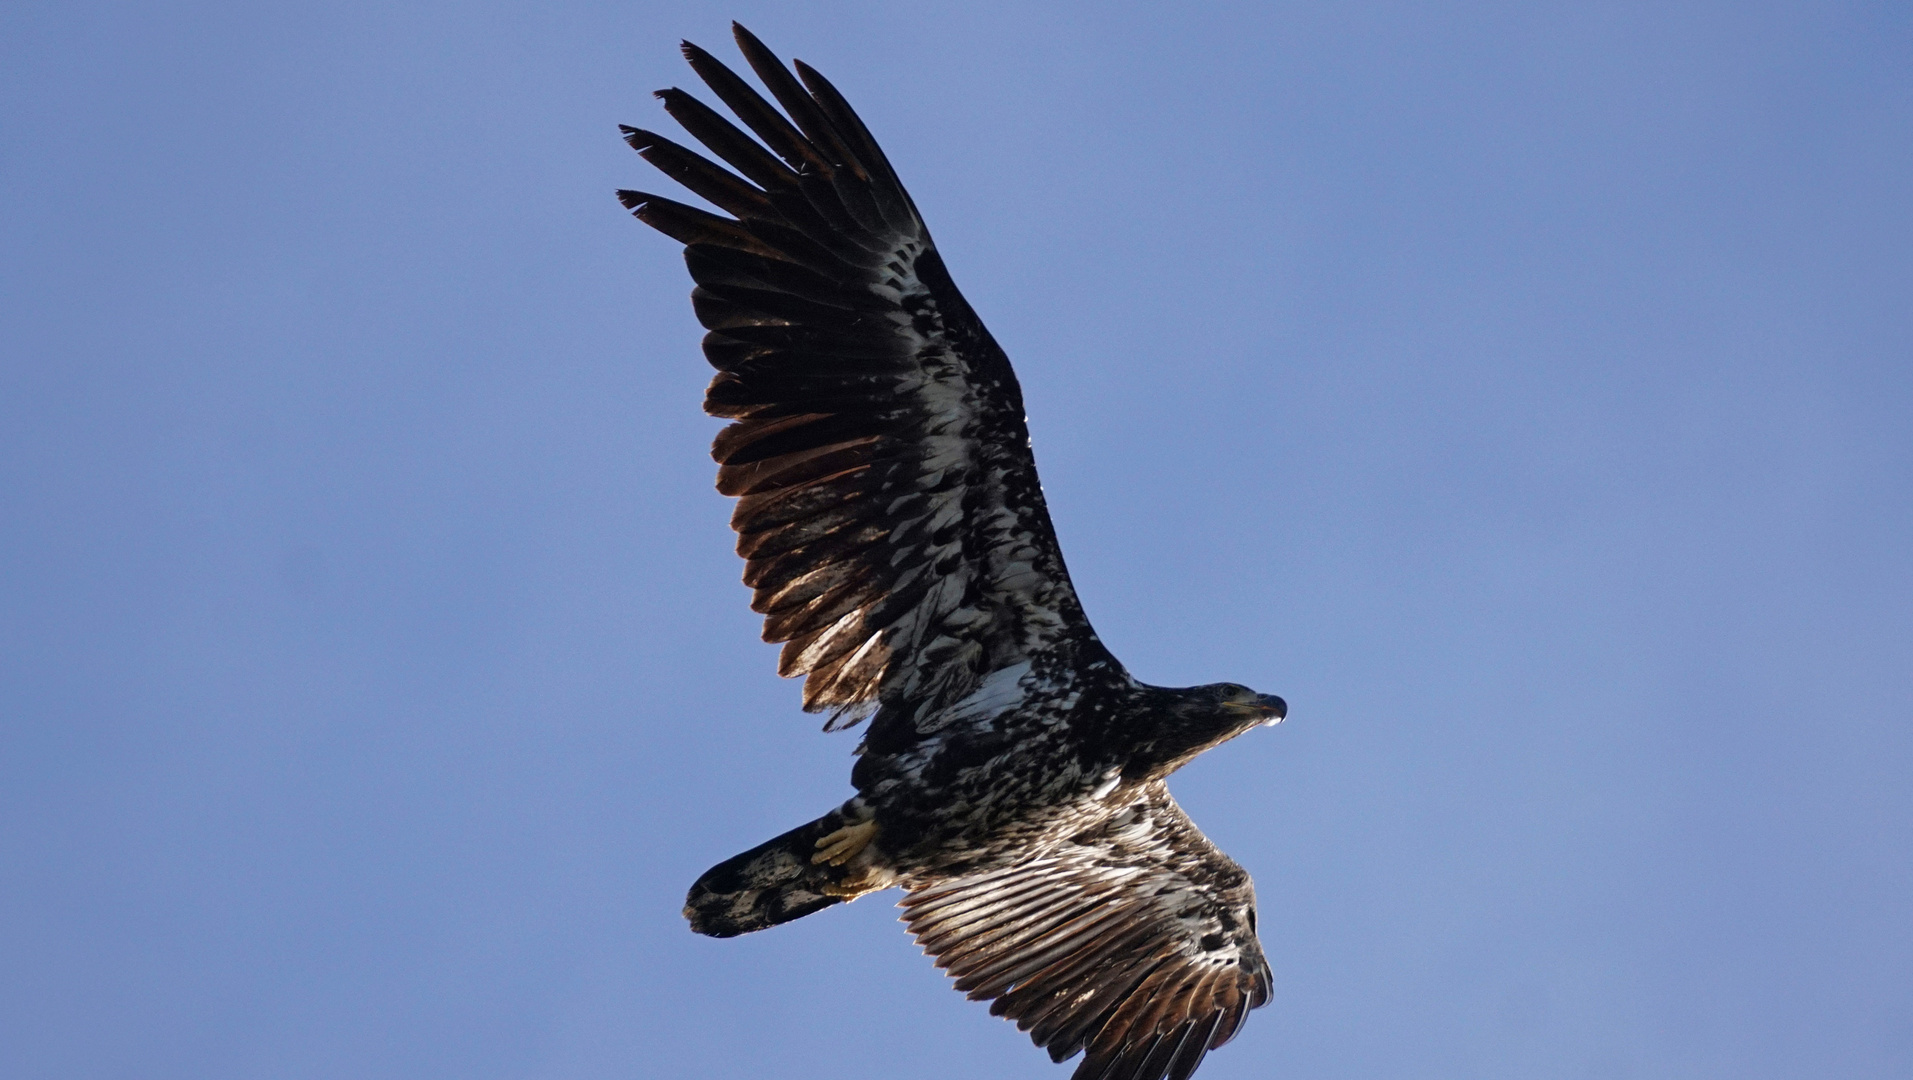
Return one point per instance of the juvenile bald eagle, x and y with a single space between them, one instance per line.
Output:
1012 775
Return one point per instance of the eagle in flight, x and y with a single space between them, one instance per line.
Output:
1011 778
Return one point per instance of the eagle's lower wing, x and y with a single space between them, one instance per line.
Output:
1135 941
888 508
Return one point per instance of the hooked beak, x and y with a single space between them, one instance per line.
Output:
1267 708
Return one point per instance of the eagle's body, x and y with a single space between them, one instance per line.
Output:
1029 759
1012 774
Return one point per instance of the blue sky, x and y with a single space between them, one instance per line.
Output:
1521 391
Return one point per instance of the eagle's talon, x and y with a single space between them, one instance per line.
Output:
843 845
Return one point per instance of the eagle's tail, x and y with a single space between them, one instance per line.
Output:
772 883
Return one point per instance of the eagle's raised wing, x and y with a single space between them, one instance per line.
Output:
888 505
1135 941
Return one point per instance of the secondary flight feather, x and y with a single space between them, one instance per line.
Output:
1011 777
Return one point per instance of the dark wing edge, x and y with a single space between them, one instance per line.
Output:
1134 942
894 533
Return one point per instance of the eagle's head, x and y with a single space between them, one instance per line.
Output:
1243 706
1199 717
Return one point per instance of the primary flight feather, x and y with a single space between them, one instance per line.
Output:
1012 774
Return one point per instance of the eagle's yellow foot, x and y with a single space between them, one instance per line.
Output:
843 845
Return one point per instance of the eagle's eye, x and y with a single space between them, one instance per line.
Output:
1232 691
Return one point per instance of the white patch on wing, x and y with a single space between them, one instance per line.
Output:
1000 690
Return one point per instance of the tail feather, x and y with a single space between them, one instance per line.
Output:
771 883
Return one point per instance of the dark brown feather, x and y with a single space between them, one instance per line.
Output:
689 225
792 97
890 197
778 134
848 178
720 186
792 470
724 139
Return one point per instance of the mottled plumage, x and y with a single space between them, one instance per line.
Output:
896 539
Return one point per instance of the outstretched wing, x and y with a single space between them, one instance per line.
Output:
888 505
1134 941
